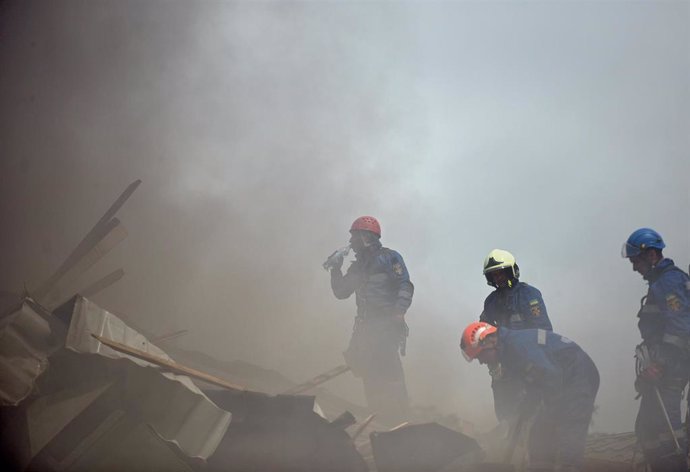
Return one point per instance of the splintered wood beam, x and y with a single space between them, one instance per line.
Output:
87 292
115 235
318 380
117 204
168 365
102 283
93 237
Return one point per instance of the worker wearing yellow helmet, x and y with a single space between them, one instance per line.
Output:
514 305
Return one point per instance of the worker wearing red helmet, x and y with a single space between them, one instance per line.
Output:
560 378
383 292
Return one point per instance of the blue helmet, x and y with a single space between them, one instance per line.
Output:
640 239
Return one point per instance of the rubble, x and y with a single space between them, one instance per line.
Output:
80 389
422 448
72 403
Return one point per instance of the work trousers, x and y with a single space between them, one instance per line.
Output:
373 355
559 431
508 393
651 427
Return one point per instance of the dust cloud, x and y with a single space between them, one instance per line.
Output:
260 130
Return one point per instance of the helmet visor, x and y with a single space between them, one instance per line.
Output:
628 250
463 345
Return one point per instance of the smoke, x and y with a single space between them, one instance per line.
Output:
261 130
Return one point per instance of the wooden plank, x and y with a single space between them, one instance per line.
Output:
93 237
117 204
92 289
102 283
115 235
169 365
318 380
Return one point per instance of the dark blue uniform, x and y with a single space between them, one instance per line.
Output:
382 288
664 322
560 377
518 307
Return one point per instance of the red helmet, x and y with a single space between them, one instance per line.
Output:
366 223
472 342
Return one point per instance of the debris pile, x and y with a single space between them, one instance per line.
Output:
80 389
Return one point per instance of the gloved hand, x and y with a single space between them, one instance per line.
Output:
334 262
652 373
399 326
649 377
337 263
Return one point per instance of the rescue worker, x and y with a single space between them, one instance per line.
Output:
664 323
383 293
560 378
514 305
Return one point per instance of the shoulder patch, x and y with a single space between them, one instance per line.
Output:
397 268
534 307
672 302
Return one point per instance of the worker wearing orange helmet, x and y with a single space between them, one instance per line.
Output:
559 376
383 292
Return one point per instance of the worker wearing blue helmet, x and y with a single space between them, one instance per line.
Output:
664 355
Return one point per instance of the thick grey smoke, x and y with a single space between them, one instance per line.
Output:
261 130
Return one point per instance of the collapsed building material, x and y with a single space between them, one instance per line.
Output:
102 283
106 225
70 403
421 448
167 365
76 400
30 335
363 426
318 380
261 379
280 434
345 420
613 452
114 234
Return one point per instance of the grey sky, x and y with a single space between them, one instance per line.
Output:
261 130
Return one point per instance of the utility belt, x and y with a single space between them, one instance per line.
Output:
681 342
376 313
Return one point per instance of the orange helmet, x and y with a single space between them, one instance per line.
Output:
472 342
366 223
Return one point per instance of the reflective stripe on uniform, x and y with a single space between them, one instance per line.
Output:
541 337
678 341
515 317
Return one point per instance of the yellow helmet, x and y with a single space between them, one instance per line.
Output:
498 259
